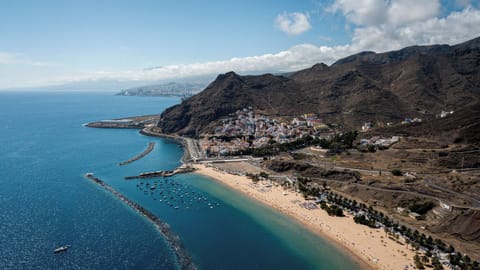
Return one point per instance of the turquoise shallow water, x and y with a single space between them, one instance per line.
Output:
45 201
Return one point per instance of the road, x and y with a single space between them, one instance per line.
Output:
331 166
430 184
193 149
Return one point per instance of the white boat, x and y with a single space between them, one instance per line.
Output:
61 249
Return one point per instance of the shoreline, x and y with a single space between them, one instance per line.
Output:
351 239
369 248
177 139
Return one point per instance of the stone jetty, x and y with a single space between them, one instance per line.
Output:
139 156
183 258
182 169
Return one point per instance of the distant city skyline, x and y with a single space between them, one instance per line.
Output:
52 42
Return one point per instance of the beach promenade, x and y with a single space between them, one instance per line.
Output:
372 248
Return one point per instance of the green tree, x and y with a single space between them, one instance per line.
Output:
437 265
264 175
418 262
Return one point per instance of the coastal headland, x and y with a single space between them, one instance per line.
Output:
136 122
183 258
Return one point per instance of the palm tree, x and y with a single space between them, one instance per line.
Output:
425 259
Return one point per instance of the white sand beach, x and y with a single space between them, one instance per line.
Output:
373 248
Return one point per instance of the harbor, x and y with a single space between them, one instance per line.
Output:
183 258
147 151
181 169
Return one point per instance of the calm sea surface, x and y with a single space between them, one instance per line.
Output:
45 202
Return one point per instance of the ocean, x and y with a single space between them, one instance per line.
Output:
46 202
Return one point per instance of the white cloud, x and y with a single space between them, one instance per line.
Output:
453 29
295 58
361 12
392 33
294 23
407 11
7 58
383 25
381 12
456 27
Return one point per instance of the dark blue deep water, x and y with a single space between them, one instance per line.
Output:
45 201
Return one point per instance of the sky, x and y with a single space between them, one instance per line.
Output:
52 42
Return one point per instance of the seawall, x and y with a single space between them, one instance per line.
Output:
139 156
183 258
148 131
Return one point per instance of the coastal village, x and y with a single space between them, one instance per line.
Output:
246 129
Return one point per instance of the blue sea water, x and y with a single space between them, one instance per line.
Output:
45 201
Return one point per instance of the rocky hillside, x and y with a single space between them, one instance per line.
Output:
461 127
418 81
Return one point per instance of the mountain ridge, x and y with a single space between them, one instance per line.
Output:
416 81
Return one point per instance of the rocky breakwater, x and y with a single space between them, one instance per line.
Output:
141 155
183 258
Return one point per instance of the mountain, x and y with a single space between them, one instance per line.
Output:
417 81
165 89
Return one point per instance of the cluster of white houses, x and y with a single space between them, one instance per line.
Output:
245 129
380 141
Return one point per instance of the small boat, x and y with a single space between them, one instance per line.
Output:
61 249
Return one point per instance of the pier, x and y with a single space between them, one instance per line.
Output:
147 151
182 169
183 258
136 122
